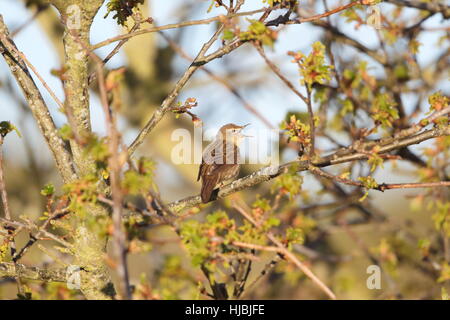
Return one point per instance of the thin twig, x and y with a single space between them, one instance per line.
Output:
63 158
328 13
280 248
30 226
432 7
200 60
4 196
176 26
116 49
277 71
120 247
220 80
5 40
379 187
41 8
34 238
312 127
263 272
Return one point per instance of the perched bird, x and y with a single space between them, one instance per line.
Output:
220 159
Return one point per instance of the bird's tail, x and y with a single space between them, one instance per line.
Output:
208 185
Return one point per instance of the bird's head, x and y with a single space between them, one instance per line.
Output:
232 132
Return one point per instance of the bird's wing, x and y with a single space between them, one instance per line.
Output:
208 186
200 170
207 159
214 153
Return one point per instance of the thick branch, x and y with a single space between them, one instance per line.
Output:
89 245
77 17
37 105
11 270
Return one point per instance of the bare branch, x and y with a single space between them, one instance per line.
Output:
340 156
432 7
5 204
120 247
5 40
176 26
222 81
380 187
285 19
38 107
10 270
280 248
200 60
277 71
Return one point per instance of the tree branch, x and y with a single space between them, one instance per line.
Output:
11 270
4 197
277 71
199 61
351 153
176 26
380 187
37 105
119 235
432 7
77 17
280 248
284 19
227 84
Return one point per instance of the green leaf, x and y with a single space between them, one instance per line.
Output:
438 101
313 68
384 110
375 161
122 9
65 132
6 127
228 34
258 31
48 190
369 183
294 235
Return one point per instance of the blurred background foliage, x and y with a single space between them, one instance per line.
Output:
392 70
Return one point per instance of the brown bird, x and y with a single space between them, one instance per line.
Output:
220 159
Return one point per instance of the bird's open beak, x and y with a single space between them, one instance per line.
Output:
245 135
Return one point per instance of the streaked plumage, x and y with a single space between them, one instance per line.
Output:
220 160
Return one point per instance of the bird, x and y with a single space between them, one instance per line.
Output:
220 159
